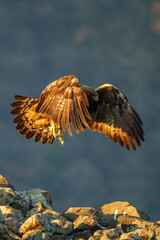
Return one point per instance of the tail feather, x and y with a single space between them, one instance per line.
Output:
32 124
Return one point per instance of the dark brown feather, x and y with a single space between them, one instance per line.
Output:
123 124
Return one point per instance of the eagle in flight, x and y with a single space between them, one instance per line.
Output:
66 101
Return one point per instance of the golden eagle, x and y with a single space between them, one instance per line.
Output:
66 101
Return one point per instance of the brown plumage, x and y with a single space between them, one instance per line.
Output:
65 102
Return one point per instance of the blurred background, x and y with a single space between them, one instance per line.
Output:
103 41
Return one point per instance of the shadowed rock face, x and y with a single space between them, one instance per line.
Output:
29 214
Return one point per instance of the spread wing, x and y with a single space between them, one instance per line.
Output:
65 102
115 117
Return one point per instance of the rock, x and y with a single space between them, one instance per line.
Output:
121 208
37 195
73 212
85 223
6 196
144 234
81 235
136 223
21 202
61 237
62 226
12 236
3 181
48 222
106 234
52 213
139 234
6 212
110 212
27 200
37 209
127 236
11 218
3 231
37 221
11 224
36 234
108 221
47 196
5 234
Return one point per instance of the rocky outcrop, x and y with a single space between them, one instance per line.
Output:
29 215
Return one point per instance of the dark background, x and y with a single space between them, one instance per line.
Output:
103 41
